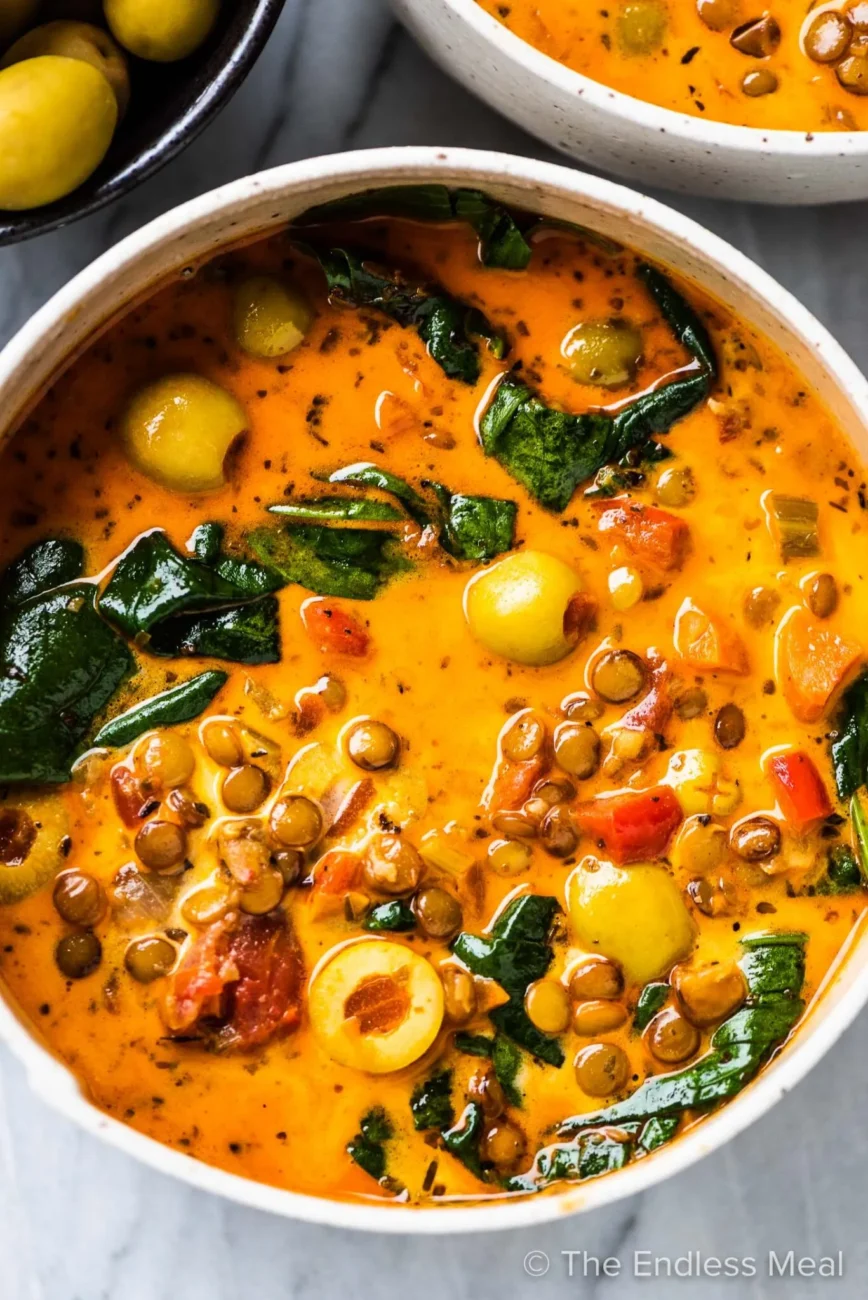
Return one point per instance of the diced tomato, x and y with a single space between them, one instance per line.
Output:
266 1000
813 663
200 979
511 783
707 642
332 629
799 789
633 826
653 537
131 800
248 975
655 708
337 872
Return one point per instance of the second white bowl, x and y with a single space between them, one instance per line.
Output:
644 144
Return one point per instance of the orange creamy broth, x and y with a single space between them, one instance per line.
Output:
678 61
284 1113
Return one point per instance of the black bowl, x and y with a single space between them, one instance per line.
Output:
170 105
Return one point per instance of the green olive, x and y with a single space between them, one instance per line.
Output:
523 608
373 745
161 30
34 840
70 40
78 955
178 430
270 318
57 118
150 958
633 915
79 898
642 26
603 353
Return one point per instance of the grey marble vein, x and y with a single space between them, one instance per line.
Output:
81 1222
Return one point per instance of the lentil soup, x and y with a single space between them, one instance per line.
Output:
433 722
797 66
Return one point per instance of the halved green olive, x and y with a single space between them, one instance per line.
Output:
604 353
34 841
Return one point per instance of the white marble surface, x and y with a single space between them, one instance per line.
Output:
80 1222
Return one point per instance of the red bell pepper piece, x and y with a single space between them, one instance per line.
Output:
799 789
632 826
652 536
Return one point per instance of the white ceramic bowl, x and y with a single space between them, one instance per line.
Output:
620 134
259 204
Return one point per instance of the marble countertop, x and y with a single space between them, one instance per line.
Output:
79 1221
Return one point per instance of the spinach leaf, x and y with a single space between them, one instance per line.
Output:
205 542
431 1102
463 1138
505 1057
850 743
349 562
367 1148
447 327
179 704
590 1156
843 874
243 634
474 1044
61 664
551 452
395 915
501 242
860 831
326 510
651 1000
366 474
774 969
247 577
41 567
152 582
658 1131
507 1061
515 954
474 527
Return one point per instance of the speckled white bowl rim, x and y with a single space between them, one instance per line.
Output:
799 146
262 202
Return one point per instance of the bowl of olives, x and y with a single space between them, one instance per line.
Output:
96 95
723 98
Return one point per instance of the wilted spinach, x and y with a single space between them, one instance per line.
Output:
850 739
551 452
515 954
367 1148
449 328
180 703
42 566
431 1102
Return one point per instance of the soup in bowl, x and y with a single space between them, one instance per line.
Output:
435 703
704 96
